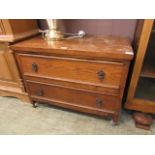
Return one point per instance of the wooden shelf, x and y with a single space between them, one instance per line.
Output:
145 89
153 30
148 70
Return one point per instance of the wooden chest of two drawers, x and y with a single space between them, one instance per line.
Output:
86 74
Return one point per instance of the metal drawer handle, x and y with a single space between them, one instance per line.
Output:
34 67
99 102
40 92
101 74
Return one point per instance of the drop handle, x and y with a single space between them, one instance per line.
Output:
101 75
99 102
40 92
34 67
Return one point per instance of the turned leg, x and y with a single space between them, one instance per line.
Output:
142 120
35 105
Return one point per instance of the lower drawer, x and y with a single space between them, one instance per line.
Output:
73 97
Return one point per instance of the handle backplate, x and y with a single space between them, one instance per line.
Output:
40 92
34 67
101 75
99 102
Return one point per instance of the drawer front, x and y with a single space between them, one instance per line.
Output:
100 73
68 96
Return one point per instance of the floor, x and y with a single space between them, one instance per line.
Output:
17 117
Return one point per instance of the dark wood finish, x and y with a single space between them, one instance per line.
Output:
142 120
86 74
76 70
75 97
142 69
71 84
110 47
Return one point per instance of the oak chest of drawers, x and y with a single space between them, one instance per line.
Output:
86 74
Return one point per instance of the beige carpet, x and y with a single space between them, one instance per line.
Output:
17 117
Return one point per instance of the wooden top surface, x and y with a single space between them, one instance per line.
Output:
90 46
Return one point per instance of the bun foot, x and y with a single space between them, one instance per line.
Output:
142 120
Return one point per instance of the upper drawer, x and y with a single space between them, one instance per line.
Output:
99 73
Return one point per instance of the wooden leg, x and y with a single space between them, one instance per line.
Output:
142 120
115 120
35 105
